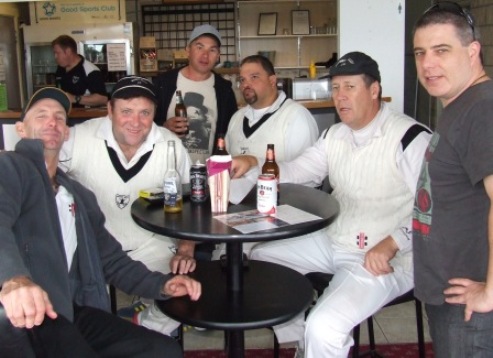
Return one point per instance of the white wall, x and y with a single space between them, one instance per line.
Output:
376 27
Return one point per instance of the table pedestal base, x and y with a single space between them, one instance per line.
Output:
272 294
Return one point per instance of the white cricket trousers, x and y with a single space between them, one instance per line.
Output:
156 254
353 295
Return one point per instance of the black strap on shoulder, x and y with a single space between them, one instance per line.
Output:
248 131
411 133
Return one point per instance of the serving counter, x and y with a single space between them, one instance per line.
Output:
322 110
77 115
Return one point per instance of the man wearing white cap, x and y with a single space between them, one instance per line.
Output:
211 92
117 156
57 256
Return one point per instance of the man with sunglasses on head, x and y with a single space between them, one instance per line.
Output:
453 215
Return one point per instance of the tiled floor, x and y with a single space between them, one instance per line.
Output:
396 324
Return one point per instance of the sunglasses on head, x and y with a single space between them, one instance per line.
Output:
454 8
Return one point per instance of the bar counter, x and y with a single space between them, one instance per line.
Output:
76 115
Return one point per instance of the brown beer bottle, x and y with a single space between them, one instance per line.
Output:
220 146
270 166
180 108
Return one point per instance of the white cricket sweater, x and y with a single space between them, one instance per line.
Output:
374 198
91 166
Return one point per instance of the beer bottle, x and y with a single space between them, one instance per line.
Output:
173 199
270 166
220 146
180 108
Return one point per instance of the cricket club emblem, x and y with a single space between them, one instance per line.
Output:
49 8
75 79
122 200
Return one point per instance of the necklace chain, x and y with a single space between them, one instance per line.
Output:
477 79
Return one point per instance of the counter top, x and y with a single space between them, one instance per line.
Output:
80 114
75 114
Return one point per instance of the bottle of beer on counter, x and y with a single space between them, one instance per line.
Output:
220 146
180 108
173 196
270 166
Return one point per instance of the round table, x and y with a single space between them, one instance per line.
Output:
239 295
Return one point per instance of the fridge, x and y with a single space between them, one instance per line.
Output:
109 46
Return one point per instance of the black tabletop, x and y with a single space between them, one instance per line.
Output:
196 221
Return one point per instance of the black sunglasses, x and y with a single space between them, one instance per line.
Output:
454 8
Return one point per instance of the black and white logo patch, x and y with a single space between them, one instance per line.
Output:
122 200
75 79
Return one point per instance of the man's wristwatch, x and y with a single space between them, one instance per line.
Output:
77 99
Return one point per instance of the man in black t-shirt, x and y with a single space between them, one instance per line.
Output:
453 220
80 79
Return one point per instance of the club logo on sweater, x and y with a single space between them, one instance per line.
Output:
75 79
122 200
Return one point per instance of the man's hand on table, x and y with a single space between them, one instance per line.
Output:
25 303
183 262
242 164
378 257
181 285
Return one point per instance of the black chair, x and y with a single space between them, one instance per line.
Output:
320 281
14 342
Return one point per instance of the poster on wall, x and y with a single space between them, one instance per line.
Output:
88 11
116 57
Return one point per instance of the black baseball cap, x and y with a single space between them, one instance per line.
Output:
134 86
51 93
355 63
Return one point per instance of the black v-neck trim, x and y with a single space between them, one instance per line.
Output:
248 131
125 174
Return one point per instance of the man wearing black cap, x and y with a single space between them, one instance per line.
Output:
372 160
57 257
215 93
116 157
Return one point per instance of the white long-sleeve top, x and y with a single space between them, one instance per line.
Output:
311 167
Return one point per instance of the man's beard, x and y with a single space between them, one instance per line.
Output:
252 99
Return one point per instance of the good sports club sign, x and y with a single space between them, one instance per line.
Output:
78 11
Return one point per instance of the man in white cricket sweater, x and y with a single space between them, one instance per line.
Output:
118 155
268 117
373 159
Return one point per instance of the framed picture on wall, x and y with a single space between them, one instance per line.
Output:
300 22
267 23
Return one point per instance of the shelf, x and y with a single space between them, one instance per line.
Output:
281 1
277 37
292 51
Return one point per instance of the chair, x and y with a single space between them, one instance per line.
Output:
320 281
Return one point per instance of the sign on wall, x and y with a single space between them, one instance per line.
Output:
89 11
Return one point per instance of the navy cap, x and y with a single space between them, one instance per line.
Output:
50 93
355 63
134 86
204 29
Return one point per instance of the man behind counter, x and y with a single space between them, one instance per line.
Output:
80 79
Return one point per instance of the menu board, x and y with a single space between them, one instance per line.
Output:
117 60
